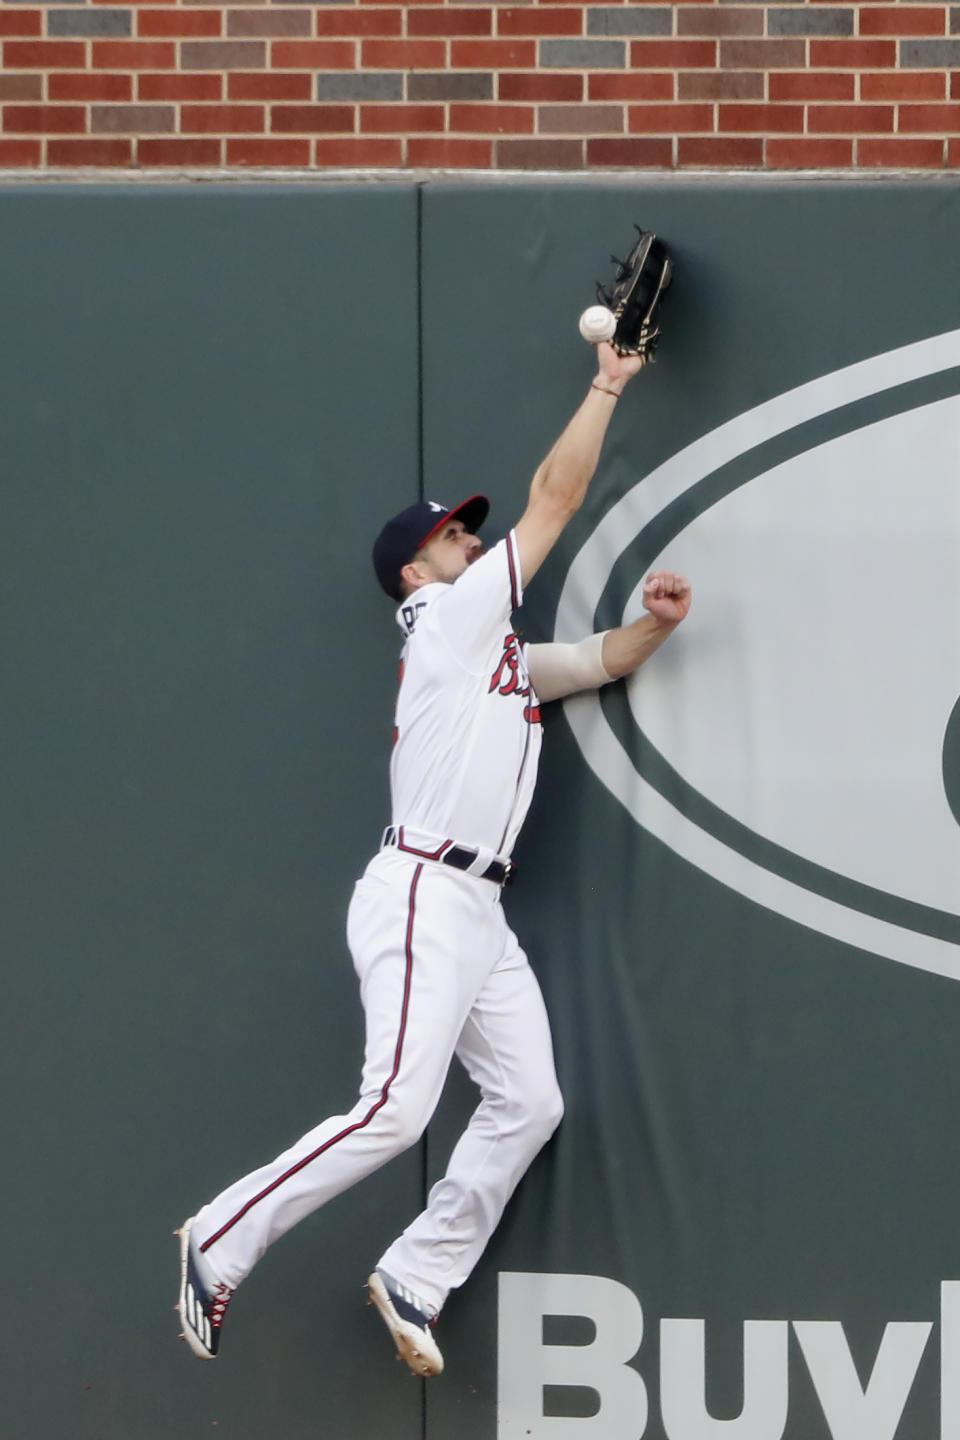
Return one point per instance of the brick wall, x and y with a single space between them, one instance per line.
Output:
552 85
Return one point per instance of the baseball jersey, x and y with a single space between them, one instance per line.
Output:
468 733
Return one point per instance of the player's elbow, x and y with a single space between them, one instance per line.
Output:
553 503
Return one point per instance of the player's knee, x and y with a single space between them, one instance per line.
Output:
552 1112
544 1113
401 1125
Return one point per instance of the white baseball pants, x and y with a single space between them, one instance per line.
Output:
441 973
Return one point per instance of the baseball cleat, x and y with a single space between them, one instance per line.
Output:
407 1318
203 1298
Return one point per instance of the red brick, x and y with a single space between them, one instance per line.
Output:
763 54
379 21
539 20
402 55
803 153
540 87
180 87
812 85
400 119
270 86
493 54
44 55
673 54
632 85
176 153
16 153
21 22
955 85
134 55
902 20
720 85
268 152
86 86
313 55
21 87
492 119
89 152
359 153
445 152
670 119
761 119
904 85
953 152
853 54
720 20
312 119
152 24
222 119
454 20
726 150
849 119
535 154
44 119
630 153
913 154
580 120
269 24
929 119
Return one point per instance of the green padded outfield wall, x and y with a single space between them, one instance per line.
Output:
739 883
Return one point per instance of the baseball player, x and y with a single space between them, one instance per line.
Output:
440 971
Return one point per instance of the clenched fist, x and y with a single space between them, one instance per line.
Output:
667 596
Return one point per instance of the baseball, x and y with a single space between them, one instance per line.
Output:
597 323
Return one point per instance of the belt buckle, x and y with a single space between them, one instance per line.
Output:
509 868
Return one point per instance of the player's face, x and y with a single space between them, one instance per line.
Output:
448 553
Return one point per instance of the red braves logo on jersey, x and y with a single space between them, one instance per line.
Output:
511 671
511 678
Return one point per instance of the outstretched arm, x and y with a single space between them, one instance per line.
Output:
559 670
561 480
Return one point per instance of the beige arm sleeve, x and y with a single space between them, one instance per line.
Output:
558 670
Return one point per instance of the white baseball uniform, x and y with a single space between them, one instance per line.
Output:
441 973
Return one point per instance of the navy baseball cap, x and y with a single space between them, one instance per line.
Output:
401 537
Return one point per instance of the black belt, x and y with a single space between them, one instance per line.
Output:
460 857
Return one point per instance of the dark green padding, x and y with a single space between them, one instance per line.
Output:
760 1122
199 440
206 416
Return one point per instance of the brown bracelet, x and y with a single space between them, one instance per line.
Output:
605 391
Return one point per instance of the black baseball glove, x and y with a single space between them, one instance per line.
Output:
635 295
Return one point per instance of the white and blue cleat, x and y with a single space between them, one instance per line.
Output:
203 1298
408 1319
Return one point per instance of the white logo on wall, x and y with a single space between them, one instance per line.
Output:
806 716
852 1408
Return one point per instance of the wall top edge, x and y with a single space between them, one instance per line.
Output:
81 176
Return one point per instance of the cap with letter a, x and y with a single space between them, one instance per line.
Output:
401 537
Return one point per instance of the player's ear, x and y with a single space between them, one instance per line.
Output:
413 575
